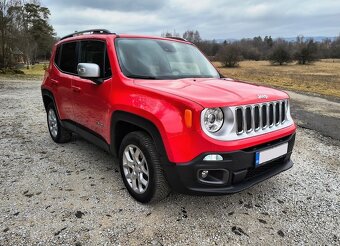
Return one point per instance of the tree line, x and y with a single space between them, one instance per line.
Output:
277 51
25 34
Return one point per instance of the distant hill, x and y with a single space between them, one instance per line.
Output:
316 38
289 39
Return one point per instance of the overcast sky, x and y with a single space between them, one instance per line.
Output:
213 19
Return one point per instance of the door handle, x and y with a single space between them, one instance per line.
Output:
76 89
54 82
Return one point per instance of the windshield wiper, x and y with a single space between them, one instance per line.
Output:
136 76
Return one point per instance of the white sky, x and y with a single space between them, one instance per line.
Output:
213 19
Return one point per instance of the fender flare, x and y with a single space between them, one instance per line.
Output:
139 122
48 93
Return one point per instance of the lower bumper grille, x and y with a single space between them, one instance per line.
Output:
254 172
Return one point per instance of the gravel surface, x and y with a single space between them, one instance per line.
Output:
72 194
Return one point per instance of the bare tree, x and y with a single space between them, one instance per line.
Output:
26 29
335 48
168 34
306 51
192 36
5 20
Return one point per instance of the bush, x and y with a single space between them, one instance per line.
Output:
17 71
229 55
280 55
11 71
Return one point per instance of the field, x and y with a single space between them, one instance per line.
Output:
322 77
35 72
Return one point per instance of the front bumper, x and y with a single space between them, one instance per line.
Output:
237 170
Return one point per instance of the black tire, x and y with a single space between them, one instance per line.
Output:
62 135
158 187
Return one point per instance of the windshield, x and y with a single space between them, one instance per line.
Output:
162 59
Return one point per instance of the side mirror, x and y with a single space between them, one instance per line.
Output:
89 71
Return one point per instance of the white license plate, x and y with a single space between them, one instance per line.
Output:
270 154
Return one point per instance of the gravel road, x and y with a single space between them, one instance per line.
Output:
316 113
72 194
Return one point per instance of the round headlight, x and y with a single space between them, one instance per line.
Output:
213 119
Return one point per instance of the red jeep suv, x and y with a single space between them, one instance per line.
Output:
160 107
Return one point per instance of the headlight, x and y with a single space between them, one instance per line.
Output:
213 119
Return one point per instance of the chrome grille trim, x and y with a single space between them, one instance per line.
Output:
235 125
271 115
246 119
271 109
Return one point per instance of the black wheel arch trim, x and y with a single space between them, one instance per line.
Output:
140 122
48 93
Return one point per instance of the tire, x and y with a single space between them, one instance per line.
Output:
147 167
58 133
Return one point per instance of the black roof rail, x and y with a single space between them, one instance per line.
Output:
178 38
91 31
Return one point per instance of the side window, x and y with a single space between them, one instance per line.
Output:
95 52
68 59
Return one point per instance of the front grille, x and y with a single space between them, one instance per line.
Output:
260 116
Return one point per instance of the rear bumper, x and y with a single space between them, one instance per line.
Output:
234 173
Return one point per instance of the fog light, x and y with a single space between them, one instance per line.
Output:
204 174
213 158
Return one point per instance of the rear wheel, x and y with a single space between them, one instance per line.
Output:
141 169
58 133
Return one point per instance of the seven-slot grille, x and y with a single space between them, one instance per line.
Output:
260 116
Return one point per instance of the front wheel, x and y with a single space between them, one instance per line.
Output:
141 169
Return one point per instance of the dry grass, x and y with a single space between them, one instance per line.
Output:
35 70
322 77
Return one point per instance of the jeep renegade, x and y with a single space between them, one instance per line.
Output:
160 107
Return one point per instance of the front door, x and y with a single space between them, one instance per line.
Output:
91 104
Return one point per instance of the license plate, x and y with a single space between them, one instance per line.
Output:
270 154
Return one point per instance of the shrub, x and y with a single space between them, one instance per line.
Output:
280 55
229 55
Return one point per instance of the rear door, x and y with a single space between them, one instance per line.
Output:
61 79
91 107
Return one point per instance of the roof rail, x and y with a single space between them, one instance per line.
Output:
178 38
91 31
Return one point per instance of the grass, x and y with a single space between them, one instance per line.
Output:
35 72
322 77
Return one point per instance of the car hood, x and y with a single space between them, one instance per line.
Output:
215 92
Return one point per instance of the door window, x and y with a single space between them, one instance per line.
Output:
68 59
95 52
